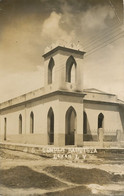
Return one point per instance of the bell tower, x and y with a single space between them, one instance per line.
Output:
63 68
63 75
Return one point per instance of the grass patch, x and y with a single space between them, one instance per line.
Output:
76 191
84 176
24 177
15 155
5 155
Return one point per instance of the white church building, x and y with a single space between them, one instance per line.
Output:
62 112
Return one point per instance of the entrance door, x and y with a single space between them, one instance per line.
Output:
50 127
70 126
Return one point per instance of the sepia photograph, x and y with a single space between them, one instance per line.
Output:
62 98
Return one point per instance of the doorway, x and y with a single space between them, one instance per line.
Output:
70 120
50 125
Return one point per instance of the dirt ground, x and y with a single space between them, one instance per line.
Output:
24 174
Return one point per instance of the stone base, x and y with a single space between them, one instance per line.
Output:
89 137
59 139
110 138
38 139
78 139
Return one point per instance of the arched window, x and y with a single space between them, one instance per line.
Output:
85 123
100 120
50 126
50 71
32 122
70 120
20 124
71 70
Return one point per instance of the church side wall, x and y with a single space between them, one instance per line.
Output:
111 123
40 110
12 122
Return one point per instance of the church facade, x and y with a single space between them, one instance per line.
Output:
62 112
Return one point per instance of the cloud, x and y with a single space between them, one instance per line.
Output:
72 26
96 18
52 30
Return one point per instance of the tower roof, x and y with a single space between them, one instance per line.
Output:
63 48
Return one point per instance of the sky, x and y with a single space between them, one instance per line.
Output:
27 27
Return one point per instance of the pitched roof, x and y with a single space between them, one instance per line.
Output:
94 90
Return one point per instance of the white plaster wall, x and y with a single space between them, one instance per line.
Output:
12 116
112 120
65 103
37 111
100 97
60 59
59 103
